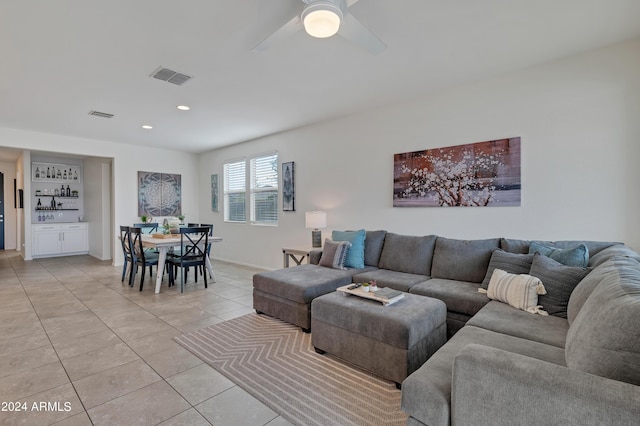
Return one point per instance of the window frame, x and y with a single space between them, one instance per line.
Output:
250 190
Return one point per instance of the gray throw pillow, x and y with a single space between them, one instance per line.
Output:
334 253
512 263
559 280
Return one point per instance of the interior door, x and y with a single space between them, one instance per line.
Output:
1 211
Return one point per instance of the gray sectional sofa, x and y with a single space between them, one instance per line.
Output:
501 365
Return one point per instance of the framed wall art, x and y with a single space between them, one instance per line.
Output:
159 194
288 187
214 193
478 174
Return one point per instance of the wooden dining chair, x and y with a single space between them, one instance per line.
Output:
126 250
140 256
193 249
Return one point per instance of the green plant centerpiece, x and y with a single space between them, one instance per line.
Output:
181 218
144 218
166 228
365 287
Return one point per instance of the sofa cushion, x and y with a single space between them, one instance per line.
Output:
459 296
407 253
518 290
512 263
334 254
522 246
559 280
604 338
515 246
574 256
385 278
373 244
355 254
426 394
462 260
502 318
302 283
613 251
593 246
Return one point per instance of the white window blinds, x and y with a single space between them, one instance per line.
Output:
264 189
235 191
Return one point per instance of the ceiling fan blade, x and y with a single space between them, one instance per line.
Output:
354 31
287 30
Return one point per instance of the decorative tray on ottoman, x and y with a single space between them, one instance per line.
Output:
384 295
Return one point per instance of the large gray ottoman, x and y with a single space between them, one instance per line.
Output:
287 293
390 341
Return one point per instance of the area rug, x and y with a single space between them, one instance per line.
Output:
275 362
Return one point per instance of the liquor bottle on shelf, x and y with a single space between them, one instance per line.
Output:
53 203
39 206
59 175
64 175
53 172
48 172
62 191
75 175
68 191
37 172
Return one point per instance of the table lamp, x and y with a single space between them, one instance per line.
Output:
316 220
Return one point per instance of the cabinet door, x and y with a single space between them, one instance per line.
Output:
74 241
46 242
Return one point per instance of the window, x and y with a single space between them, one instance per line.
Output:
235 191
260 175
264 189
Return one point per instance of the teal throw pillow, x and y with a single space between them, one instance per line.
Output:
576 256
355 255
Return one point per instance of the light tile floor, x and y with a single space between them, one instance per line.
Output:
99 352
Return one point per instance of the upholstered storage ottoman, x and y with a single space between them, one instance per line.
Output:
390 341
287 293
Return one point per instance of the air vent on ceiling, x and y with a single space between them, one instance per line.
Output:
175 77
100 114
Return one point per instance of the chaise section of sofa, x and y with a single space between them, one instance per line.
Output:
287 293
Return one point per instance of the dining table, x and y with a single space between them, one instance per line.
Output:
163 245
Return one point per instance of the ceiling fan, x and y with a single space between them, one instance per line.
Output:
324 18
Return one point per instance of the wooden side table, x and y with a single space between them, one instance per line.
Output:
298 256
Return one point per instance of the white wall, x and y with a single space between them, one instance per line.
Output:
127 161
10 213
97 206
579 120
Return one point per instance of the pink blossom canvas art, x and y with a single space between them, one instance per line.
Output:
477 174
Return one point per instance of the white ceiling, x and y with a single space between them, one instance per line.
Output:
60 59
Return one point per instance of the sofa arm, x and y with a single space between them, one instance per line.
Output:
495 387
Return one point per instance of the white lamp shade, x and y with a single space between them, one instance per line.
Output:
321 19
316 219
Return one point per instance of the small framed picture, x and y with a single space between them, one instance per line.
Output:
214 193
288 187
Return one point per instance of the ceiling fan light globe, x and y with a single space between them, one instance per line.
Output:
321 20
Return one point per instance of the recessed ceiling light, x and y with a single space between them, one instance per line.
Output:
183 108
147 127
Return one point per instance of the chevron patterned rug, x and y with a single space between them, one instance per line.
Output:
276 363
